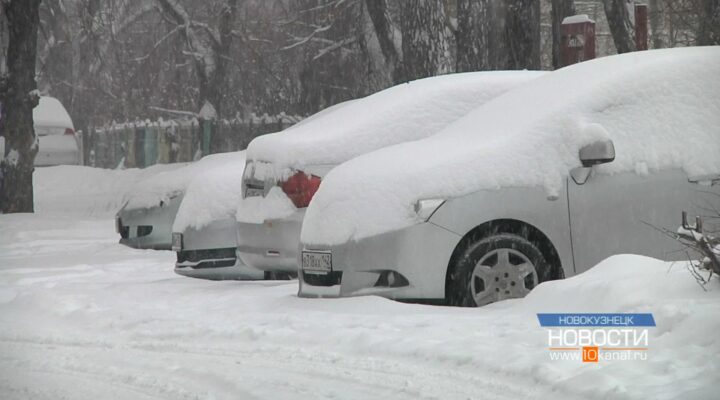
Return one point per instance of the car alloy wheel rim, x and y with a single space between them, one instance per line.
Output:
502 274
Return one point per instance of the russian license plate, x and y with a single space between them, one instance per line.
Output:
177 241
254 192
316 262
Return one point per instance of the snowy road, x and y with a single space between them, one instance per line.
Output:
82 317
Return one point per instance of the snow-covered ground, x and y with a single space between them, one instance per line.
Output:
82 317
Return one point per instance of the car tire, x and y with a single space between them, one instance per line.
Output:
496 268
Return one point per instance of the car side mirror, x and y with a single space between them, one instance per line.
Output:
599 152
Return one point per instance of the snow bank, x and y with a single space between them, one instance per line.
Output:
213 193
661 108
50 113
404 112
78 190
84 317
151 191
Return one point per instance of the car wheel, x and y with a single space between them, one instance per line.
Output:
495 268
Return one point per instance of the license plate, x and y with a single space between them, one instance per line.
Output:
177 241
254 192
315 262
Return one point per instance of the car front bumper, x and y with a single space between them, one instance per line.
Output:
218 267
210 253
272 245
148 228
409 263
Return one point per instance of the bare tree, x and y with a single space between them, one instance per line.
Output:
475 24
522 28
709 24
18 97
560 10
380 17
426 39
620 17
208 46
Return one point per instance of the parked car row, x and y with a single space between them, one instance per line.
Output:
464 189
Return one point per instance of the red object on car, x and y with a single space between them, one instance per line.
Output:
301 188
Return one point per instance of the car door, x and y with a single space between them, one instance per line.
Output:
625 213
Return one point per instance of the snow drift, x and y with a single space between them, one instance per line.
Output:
77 190
661 108
84 317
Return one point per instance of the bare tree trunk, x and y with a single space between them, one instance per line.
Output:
425 39
210 50
55 56
215 90
709 24
473 35
654 17
522 29
18 100
620 15
560 10
377 10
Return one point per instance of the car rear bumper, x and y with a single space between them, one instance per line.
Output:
57 150
215 264
272 245
210 253
410 263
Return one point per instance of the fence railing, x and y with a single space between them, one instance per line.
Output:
143 143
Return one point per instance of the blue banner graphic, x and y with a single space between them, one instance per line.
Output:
595 320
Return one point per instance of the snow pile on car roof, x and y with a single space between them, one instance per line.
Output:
404 112
661 108
50 113
161 187
213 194
78 190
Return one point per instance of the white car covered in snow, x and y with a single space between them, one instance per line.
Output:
204 227
285 169
146 217
57 143
539 184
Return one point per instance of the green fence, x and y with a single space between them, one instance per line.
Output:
143 143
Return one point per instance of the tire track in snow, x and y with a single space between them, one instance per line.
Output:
269 372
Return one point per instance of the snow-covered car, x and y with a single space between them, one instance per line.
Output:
57 143
539 184
285 169
204 228
146 218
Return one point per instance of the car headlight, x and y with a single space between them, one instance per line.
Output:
177 241
426 208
